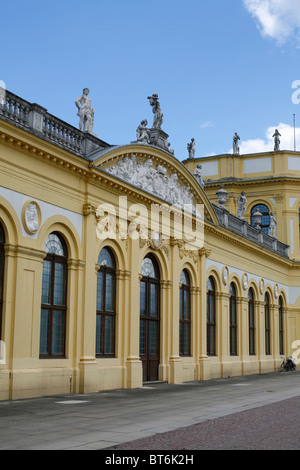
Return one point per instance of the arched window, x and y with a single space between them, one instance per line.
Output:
106 304
264 210
150 318
281 326
185 315
211 317
54 298
251 315
2 242
267 325
233 320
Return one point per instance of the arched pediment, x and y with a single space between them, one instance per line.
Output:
156 172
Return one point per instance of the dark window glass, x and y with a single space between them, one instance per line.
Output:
106 304
264 210
2 242
251 315
267 325
211 317
233 320
54 298
150 318
184 315
281 327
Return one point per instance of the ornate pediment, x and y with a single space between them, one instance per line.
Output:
155 180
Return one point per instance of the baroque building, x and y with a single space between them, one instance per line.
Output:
119 265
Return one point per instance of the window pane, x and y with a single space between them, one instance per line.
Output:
212 310
142 337
186 342
46 279
186 304
153 300
59 284
109 292
98 333
181 303
100 290
106 258
44 332
109 335
153 337
58 332
54 245
143 298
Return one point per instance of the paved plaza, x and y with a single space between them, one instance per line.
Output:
252 412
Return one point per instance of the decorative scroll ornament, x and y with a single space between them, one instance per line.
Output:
153 180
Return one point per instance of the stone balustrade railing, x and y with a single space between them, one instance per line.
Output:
244 229
37 120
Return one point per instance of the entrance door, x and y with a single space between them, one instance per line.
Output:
150 319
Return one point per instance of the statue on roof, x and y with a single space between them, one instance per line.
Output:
236 148
191 149
273 225
85 112
158 116
198 175
242 201
142 133
276 140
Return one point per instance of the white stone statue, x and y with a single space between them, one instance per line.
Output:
191 149
276 136
236 148
198 175
273 225
85 112
242 201
142 133
158 116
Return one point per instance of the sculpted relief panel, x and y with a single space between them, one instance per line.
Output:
143 175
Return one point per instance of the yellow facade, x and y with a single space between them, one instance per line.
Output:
67 190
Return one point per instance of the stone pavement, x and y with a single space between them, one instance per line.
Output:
108 420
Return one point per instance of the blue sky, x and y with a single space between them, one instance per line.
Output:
219 67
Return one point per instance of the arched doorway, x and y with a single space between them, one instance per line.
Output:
150 318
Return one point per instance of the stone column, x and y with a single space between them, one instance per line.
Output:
133 362
88 366
203 365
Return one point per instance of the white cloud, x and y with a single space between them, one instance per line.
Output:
267 144
206 124
277 19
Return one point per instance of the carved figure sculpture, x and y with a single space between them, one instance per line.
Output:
273 225
158 116
242 201
276 136
154 180
142 133
198 176
85 112
191 149
236 148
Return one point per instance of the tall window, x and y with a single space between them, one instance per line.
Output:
281 327
211 317
54 298
185 315
150 318
233 320
267 325
251 315
2 242
264 210
106 304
